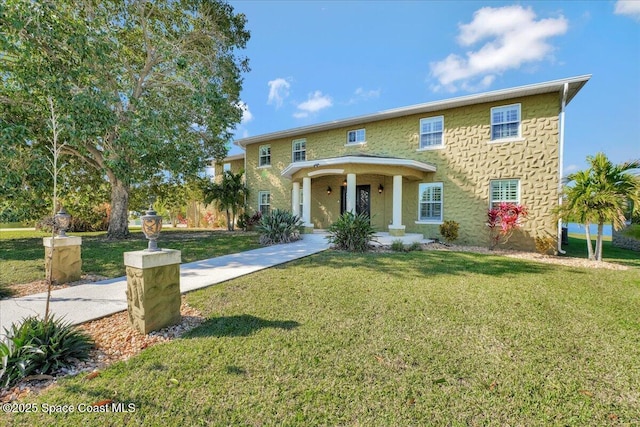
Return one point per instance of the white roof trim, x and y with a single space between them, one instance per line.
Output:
233 157
574 83
290 170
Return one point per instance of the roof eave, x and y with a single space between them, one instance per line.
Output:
575 84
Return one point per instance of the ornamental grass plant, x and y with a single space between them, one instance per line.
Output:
37 346
351 232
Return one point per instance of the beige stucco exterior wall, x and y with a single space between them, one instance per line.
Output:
236 166
465 166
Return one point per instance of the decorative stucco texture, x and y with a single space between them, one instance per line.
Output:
465 165
66 262
153 297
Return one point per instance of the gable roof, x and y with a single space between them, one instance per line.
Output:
574 86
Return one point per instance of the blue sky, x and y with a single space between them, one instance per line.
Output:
317 61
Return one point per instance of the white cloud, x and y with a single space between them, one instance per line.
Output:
570 169
316 102
361 94
246 114
512 36
278 91
628 7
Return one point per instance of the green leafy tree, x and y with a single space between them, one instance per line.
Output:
599 195
229 194
143 89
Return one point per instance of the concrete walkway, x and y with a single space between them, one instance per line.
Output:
91 301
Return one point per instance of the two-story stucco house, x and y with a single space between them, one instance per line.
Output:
414 167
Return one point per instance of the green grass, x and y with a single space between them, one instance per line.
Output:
418 338
22 253
577 248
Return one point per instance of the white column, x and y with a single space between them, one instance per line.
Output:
306 202
351 192
295 199
396 228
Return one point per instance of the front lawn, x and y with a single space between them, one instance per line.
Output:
419 338
22 252
577 248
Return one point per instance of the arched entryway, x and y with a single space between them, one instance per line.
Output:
371 169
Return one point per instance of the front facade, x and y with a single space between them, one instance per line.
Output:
412 168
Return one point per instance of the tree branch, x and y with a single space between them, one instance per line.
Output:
91 162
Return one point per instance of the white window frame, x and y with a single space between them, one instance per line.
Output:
226 167
506 109
264 202
359 136
299 146
431 121
504 190
422 187
264 156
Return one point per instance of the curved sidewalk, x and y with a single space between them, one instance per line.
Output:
91 301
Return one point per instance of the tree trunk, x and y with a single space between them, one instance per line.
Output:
119 221
599 241
587 232
229 222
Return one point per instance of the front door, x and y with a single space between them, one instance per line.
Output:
363 200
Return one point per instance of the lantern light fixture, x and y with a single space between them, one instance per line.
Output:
329 189
62 221
151 226
380 189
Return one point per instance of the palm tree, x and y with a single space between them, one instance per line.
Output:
602 194
230 195
577 204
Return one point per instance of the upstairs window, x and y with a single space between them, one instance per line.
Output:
299 150
356 136
226 167
264 156
505 122
430 202
504 191
431 132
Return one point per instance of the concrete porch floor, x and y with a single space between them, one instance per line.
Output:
384 239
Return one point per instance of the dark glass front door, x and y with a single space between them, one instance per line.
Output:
363 199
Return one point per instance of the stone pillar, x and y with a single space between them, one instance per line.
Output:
351 192
396 228
67 258
295 199
306 205
153 289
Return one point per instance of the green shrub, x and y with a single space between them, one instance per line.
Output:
397 246
96 219
247 223
449 230
545 245
351 232
415 246
5 291
41 347
632 231
279 226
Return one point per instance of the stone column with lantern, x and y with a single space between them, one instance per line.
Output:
62 253
153 281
